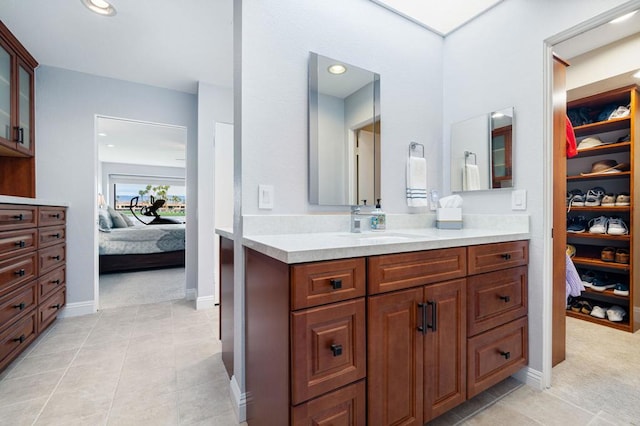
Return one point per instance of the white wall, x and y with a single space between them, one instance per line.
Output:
498 61
332 150
66 105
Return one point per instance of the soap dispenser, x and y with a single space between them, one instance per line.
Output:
378 218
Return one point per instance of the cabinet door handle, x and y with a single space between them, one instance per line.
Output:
506 256
506 299
336 349
20 273
434 315
21 306
423 314
56 306
21 244
19 134
506 355
55 282
55 215
56 235
19 217
20 339
336 283
57 257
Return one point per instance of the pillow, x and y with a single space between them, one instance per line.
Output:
116 218
104 219
127 220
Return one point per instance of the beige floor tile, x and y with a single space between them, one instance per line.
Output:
186 335
58 343
151 343
74 406
111 353
29 387
151 382
158 415
501 415
209 370
97 419
139 362
205 401
22 413
99 379
41 364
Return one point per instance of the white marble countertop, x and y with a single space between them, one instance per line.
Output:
8 199
225 232
310 247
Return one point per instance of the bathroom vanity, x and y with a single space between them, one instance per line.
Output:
380 329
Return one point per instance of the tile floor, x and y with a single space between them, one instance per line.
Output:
141 287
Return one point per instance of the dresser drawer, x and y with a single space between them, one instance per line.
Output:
51 282
49 216
496 298
17 303
345 406
326 282
48 309
51 258
328 348
493 257
17 337
17 217
398 271
495 355
51 235
15 243
18 270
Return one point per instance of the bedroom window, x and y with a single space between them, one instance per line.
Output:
175 196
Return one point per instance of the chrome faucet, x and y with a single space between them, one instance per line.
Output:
356 219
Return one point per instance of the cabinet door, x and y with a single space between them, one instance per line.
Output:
444 347
395 369
24 117
5 97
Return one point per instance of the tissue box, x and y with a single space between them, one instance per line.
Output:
449 218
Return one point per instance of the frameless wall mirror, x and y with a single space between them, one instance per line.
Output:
481 152
344 133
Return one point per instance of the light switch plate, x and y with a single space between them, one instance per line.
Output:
265 197
519 199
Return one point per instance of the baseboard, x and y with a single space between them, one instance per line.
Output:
238 400
205 302
77 309
530 377
191 294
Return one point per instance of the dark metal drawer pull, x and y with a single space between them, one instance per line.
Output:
21 244
336 283
336 349
506 256
20 273
55 215
20 339
21 306
506 355
56 306
506 299
55 257
56 235
434 315
423 317
55 281
18 217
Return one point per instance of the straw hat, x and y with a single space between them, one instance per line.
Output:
607 166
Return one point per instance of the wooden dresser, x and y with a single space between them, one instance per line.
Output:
32 274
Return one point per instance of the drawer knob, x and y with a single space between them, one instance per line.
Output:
20 339
18 217
506 299
55 257
506 355
336 349
20 273
336 283
21 244
21 306
506 256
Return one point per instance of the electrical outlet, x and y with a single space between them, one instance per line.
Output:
265 197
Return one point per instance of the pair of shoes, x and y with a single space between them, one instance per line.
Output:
616 313
598 312
594 197
616 226
581 306
612 200
598 225
605 225
622 256
621 289
575 198
571 250
600 284
623 199
577 224
587 277
608 254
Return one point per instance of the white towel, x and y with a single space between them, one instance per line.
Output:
471 176
417 182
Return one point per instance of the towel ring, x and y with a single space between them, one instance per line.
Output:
468 154
413 146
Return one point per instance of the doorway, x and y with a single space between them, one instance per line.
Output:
141 195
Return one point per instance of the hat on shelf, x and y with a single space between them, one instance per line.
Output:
590 142
607 166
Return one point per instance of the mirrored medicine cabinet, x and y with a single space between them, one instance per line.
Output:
344 133
482 152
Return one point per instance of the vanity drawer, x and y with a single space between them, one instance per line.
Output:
495 355
326 282
52 235
52 257
48 309
345 406
495 298
17 303
49 216
493 257
49 283
398 271
17 337
17 217
328 348
17 270
15 243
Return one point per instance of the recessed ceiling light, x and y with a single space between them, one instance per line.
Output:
637 74
101 7
102 134
497 115
110 145
337 69
623 17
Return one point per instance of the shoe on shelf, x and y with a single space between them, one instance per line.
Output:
608 254
623 199
621 289
571 250
577 198
571 194
622 256
616 313
594 197
598 312
598 225
587 277
600 285
616 226
585 307
609 200
577 224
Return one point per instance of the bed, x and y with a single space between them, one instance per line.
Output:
141 247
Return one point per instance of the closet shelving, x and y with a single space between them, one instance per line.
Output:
588 245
